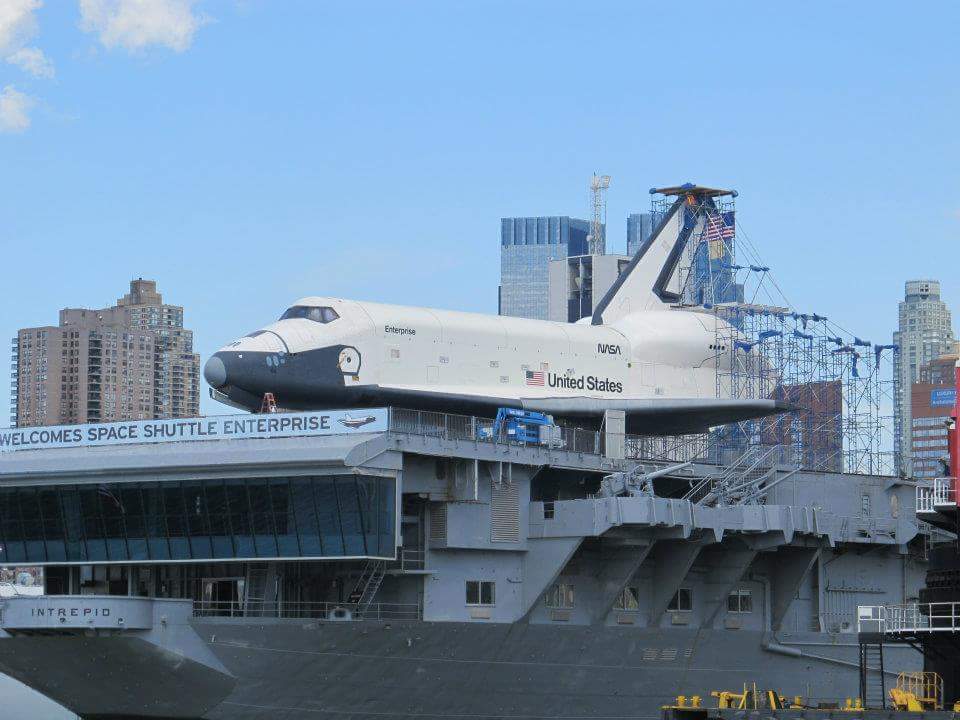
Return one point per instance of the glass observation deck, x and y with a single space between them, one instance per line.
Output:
317 517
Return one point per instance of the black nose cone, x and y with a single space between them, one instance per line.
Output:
215 372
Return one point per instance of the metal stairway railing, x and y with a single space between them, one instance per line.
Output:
873 688
256 587
739 482
366 588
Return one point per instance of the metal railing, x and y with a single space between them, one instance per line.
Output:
913 618
938 492
680 448
409 559
445 426
701 447
316 610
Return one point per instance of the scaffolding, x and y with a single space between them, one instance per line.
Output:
841 387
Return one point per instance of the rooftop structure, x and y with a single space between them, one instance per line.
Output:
576 283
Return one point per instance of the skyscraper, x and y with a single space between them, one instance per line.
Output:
639 227
931 403
925 332
527 245
132 361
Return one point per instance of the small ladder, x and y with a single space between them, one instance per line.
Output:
256 589
268 404
368 584
873 691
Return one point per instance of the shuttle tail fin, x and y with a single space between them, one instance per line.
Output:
649 281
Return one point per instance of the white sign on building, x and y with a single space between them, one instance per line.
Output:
228 427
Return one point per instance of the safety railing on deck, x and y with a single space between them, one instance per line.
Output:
678 448
672 448
315 610
936 493
445 426
908 619
409 559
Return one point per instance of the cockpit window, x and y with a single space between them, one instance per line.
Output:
317 314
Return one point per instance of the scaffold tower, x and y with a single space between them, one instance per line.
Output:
839 385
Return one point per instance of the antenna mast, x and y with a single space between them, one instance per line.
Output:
597 240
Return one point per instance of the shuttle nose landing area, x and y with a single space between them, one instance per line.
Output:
215 372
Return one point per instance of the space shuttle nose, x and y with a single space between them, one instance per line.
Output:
215 372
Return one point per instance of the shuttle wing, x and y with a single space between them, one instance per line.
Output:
646 416
664 416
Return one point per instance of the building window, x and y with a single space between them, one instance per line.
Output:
629 599
481 592
560 596
740 601
682 601
276 517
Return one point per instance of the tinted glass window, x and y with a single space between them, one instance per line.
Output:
311 516
317 314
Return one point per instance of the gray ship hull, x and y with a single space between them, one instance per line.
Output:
517 671
438 576
301 669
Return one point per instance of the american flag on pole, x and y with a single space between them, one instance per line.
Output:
535 377
720 226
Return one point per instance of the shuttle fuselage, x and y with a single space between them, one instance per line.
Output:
659 364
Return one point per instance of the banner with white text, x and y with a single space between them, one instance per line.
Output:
228 427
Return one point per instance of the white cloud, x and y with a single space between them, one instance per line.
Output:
33 61
15 109
18 25
137 24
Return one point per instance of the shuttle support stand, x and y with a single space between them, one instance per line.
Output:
614 434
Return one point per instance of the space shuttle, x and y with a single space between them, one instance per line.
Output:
638 353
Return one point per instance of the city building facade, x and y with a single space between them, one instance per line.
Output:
931 403
924 333
639 227
527 245
578 282
131 361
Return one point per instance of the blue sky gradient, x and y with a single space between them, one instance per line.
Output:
369 150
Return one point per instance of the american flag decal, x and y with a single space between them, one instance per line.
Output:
535 377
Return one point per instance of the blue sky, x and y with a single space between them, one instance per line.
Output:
246 153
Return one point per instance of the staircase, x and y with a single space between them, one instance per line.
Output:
366 588
740 482
256 589
873 690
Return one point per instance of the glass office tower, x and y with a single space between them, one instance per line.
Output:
639 228
527 245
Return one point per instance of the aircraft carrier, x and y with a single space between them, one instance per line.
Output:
396 564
